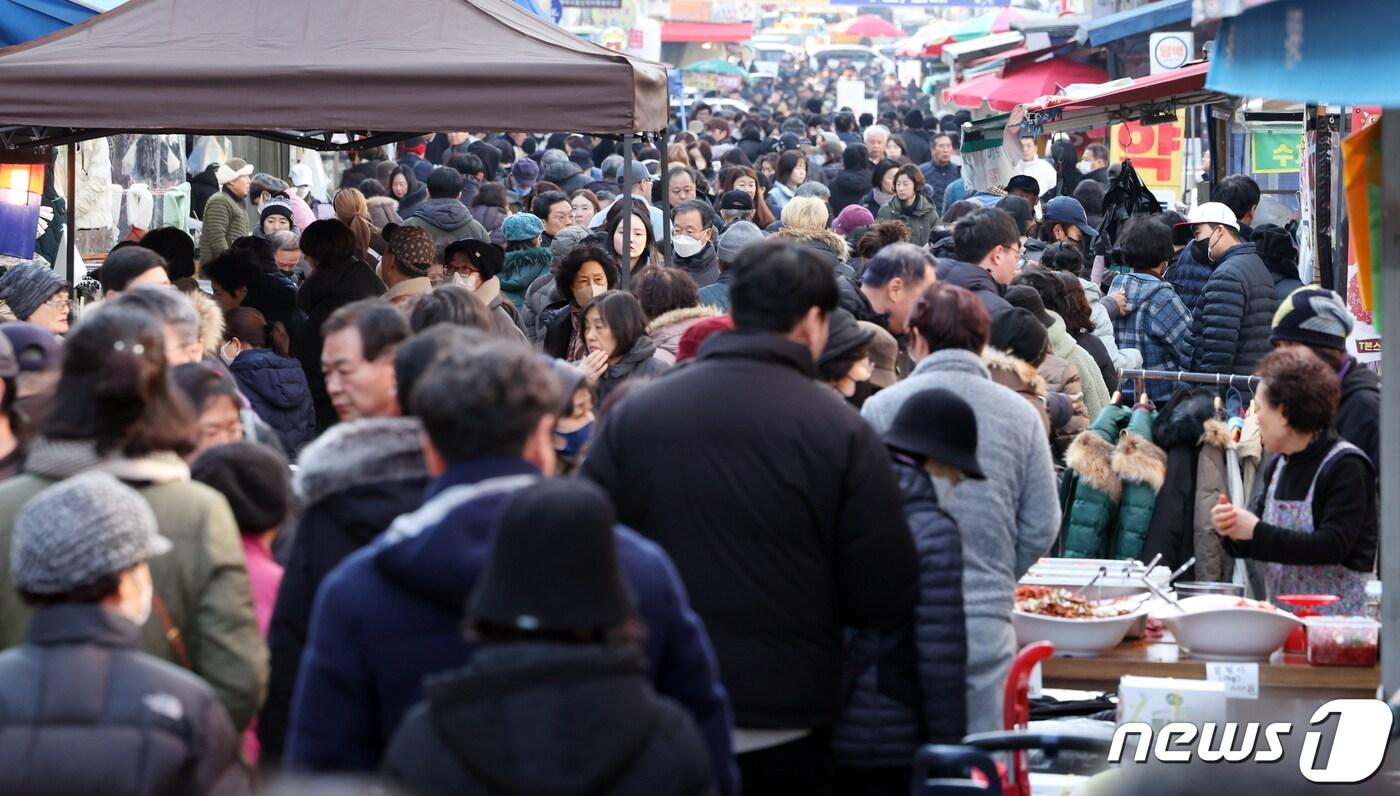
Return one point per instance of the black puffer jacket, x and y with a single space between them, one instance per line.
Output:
909 686
83 710
1178 430
539 718
1232 319
640 361
354 481
978 280
1358 418
847 189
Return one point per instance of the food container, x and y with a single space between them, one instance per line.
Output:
1075 638
1217 627
1073 573
1193 588
1343 640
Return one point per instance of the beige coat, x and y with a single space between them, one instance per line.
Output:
1019 376
668 327
1061 376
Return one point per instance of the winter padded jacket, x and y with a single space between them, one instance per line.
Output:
276 387
1231 322
1213 561
203 581
1178 431
782 515
641 361
447 220
559 718
225 221
541 295
522 267
1063 345
978 280
847 189
1063 378
391 614
1189 277
920 218
353 482
493 220
666 329
1142 467
1358 418
908 689
85 711
1090 489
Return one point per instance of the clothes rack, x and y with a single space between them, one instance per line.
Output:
1218 379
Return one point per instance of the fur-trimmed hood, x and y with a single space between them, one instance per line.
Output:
1023 370
1091 457
681 315
1216 434
1139 461
211 322
820 237
359 453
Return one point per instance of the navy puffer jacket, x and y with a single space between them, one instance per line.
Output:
1231 322
909 684
1189 277
276 387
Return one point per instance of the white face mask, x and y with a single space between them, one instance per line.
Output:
471 283
686 246
224 355
1084 166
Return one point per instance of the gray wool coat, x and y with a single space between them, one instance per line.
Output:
1007 521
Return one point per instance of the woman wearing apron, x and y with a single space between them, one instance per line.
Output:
1315 526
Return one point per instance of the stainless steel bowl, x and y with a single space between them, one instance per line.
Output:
1193 588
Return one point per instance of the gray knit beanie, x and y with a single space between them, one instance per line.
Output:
27 285
80 529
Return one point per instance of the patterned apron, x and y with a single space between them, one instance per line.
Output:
1297 516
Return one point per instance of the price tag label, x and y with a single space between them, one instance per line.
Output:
1241 679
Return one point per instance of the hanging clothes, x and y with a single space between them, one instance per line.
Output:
1142 467
1213 562
1090 489
1178 430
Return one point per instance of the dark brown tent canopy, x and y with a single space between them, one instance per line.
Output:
304 70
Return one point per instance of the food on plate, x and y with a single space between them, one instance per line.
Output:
1065 604
1260 604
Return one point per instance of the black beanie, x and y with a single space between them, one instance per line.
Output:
253 478
553 562
1018 333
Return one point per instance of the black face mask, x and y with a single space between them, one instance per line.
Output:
1200 250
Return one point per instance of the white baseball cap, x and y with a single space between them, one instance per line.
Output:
1211 213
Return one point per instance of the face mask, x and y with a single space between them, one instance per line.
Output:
819 160
700 164
573 442
1084 166
686 246
471 283
223 354
1200 250
943 488
593 291
147 597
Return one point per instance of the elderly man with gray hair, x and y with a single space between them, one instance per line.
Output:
876 136
286 250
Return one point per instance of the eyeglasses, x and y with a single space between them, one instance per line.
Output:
464 270
58 301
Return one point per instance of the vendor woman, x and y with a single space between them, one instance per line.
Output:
1315 527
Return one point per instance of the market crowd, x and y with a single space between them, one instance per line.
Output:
751 515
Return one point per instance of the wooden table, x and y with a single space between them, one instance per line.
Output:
1284 673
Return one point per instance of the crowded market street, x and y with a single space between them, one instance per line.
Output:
843 397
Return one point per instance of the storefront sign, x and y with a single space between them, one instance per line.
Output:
614 39
1154 150
1277 152
1170 51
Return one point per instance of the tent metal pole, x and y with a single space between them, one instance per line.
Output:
666 251
71 234
1390 405
626 255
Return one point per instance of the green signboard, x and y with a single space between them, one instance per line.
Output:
1277 152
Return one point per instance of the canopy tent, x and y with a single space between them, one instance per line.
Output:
1003 91
304 72
1130 99
1143 19
997 22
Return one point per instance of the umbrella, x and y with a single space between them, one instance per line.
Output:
1004 91
869 26
996 22
715 66
935 32
23 20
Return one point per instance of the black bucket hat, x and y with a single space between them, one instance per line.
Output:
937 424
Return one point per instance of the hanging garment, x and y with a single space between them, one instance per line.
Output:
1090 489
140 210
1142 466
1297 516
175 207
1178 430
94 178
1213 562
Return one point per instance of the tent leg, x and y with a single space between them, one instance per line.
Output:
1390 404
665 230
626 259
71 234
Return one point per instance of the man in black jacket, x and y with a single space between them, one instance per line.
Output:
988 248
780 511
853 181
1231 321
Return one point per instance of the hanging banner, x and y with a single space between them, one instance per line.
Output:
1277 152
1155 151
1361 160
